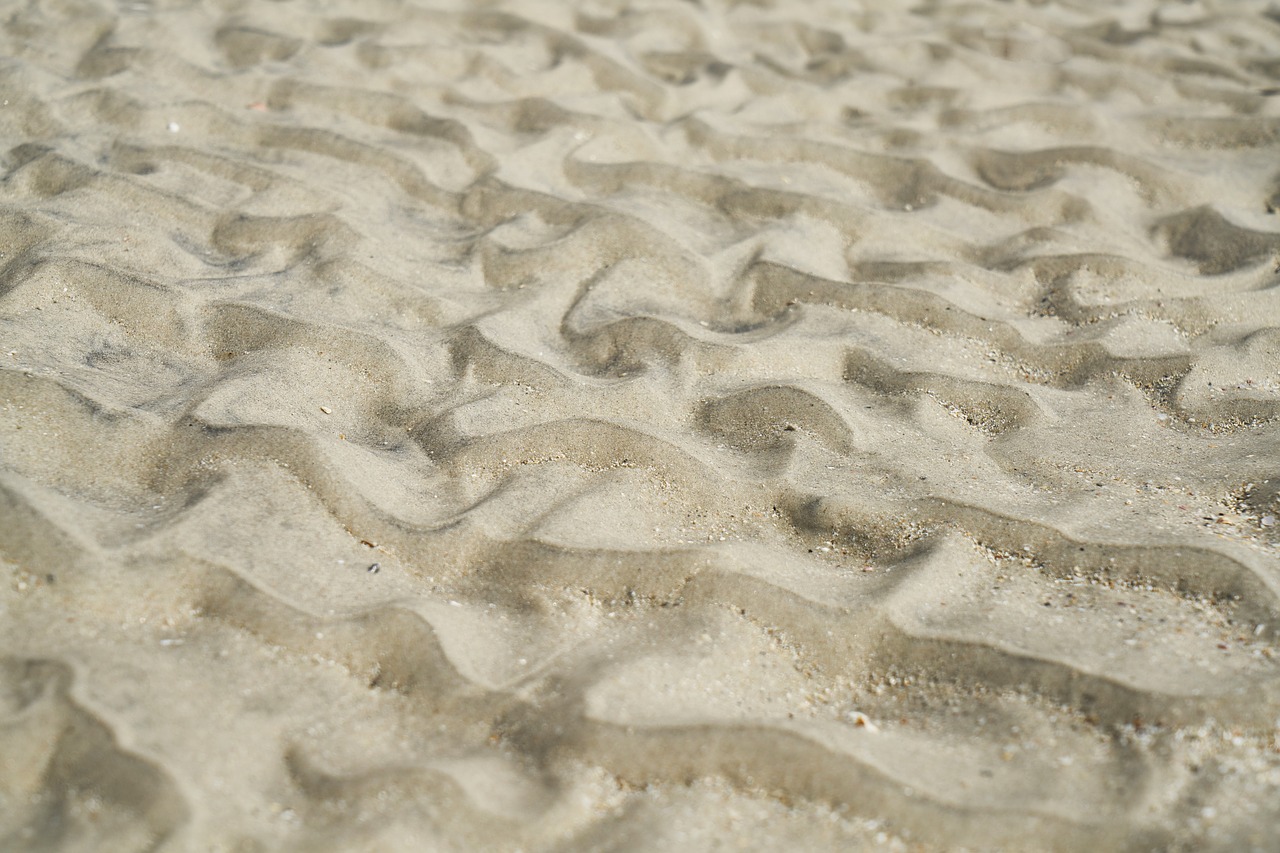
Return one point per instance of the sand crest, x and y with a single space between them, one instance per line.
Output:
639 425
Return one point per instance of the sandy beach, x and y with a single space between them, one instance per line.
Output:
632 425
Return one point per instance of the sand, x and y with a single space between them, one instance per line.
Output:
639 425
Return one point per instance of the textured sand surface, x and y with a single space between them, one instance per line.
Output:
639 425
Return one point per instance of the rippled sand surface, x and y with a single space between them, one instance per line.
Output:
639 425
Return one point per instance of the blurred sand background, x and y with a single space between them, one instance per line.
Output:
625 425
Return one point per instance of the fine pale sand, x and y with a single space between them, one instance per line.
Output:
648 425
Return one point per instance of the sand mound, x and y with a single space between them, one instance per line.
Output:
639 425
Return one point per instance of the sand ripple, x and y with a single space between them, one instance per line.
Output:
639 425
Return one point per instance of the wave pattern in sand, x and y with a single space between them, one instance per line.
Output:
639 425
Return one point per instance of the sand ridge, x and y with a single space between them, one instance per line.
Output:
639 425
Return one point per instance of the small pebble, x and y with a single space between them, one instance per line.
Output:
374 568
1268 521
860 720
